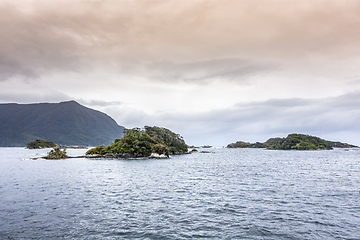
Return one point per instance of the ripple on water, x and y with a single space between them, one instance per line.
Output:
228 194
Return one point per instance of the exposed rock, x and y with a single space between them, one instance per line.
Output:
159 156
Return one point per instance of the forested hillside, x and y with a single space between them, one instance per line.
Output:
65 123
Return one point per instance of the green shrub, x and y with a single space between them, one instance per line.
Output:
57 153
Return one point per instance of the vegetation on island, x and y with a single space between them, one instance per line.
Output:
298 142
38 143
241 144
56 153
139 142
293 142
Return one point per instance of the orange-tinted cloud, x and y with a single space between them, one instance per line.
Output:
136 53
72 35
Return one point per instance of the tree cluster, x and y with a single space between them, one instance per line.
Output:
139 142
292 142
298 142
56 153
241 144
38 143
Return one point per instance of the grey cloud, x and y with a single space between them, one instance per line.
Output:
350 101
128 116
230 69
258 121
46 39
99 103
11 96
10 68
39 37
316 115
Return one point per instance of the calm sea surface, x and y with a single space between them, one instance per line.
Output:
224 194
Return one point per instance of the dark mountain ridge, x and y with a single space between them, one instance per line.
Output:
65 123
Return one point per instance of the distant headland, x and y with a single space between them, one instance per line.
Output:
65 123
293 142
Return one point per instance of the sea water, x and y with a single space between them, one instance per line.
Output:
216 194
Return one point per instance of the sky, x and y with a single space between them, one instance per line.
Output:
215 72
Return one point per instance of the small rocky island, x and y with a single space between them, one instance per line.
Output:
153 142
56 153
293 142
39 143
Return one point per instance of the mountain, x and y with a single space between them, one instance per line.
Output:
293 142
65 123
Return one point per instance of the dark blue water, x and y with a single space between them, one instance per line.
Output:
225 194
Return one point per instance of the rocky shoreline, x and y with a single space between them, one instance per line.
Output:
121 155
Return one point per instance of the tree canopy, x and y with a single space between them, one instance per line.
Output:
139 142
293 142
298 142
56 153
38 143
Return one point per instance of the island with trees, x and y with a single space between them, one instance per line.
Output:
56 153
293 142
39 143
156 142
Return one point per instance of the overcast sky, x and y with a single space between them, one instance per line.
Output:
213 71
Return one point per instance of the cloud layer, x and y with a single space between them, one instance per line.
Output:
333 118
220 69
40 36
